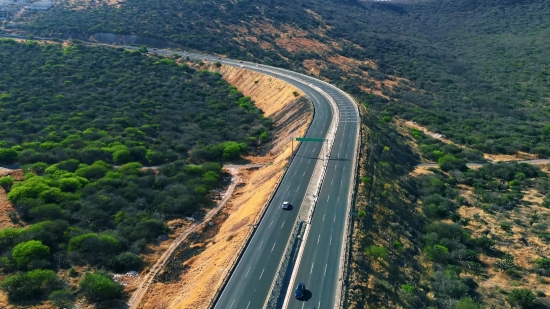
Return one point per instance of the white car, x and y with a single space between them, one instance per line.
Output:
286 205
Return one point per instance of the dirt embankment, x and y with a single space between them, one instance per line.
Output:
222 242
6 208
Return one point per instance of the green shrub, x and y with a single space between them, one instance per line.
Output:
46 212
449 162
468 303
523 298
484 242
407 288
62 298
100 287
377 252
122 156
30 286
69 184
8 155
26 252
506 226
6 183
437 253
543 262
231 151
127 261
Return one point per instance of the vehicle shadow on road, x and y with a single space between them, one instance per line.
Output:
307 295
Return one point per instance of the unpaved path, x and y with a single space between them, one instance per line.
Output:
138 294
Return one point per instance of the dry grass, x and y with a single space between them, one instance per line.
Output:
520 242
314 66
490 157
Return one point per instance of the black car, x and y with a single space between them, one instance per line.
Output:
286 205
299 293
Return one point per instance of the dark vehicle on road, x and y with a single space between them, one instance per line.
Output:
286 205
299 293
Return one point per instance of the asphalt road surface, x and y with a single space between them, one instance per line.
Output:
251 280
319 265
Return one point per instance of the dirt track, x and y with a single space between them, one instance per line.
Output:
138 294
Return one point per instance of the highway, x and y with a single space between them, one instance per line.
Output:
319 265
250 281
249 285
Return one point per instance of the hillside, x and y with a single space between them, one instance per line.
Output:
83 122
447 237
475 71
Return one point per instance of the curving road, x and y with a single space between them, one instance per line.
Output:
319 265
251 280
319 268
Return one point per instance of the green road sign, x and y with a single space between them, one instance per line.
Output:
307 139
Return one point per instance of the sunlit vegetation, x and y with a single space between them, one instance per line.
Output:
84 123
450 237
475 71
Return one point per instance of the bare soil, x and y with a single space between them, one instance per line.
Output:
5 206
521 242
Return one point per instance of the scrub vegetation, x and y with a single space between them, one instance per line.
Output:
475 71
84 123
451 237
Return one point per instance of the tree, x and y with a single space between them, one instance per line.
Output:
523 298
26 252
99 286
